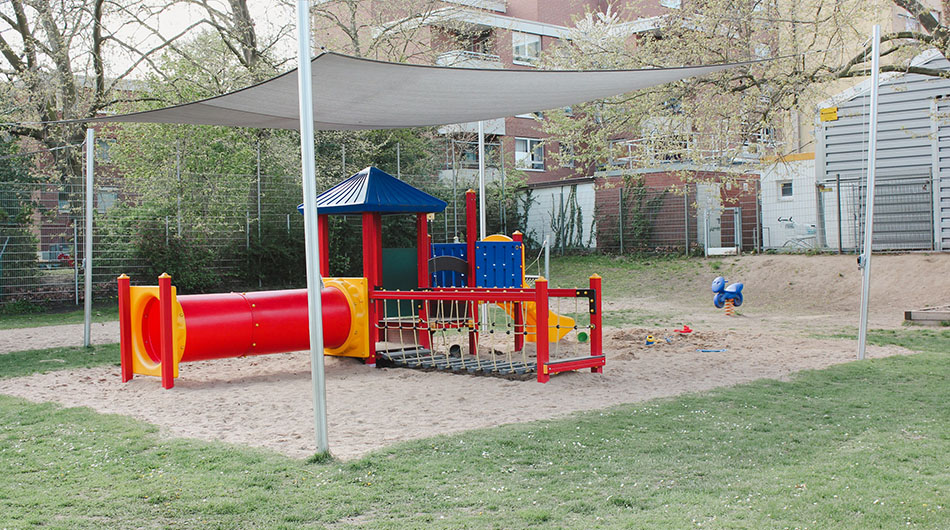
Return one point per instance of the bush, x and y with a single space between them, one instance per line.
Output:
193 266
278 260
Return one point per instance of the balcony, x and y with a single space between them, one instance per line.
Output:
467 59
491 127
491 5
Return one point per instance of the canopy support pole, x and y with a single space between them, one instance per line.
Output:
865 258
87 251
311 228
481 182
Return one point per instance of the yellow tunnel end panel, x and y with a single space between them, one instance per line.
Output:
144 307
357 297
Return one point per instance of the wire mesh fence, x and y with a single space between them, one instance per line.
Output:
241 230
638 217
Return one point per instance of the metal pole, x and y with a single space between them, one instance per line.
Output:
398 162
504 194
311 230
757 244
87 257
75 260
455 199
838 200
178 173
482 231
259 190
686 218
547 258
620 217
343 157
706 233
869 201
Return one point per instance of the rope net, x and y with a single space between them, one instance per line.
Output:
482 331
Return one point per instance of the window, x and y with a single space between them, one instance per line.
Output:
525 47
63 201
105 199
618 152
529 154
103 145
910 22
467 153
567 154
473 41
672 4
785 189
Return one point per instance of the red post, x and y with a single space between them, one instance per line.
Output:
165 319
596 321
370 258
422 262
323 228
125 328
541 328
518 237
378 221
471 234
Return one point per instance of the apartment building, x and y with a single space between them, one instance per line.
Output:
512 34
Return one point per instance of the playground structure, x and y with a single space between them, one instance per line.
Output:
729 297
470 294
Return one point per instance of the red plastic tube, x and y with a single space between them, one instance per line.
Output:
219 326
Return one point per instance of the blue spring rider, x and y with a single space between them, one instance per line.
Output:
723 293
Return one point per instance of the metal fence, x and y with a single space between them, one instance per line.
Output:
243 230
639 218
903 214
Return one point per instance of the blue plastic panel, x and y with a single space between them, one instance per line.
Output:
448 278
498 264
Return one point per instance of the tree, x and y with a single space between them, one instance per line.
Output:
734 116
396 30
18 260
56 61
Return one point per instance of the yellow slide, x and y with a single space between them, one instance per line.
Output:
558 325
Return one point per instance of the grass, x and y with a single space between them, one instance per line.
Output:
631 275
928 340
20 363
106 313
860 445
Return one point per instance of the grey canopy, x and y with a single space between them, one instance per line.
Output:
351 93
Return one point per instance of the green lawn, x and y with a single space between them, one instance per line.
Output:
625 276
861 445
19 363
107 313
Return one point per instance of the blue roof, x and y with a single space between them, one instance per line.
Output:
374 190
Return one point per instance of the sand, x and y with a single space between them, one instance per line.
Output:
266 401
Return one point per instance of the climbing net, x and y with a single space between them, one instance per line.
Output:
502 332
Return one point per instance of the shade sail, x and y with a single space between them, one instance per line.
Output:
351 93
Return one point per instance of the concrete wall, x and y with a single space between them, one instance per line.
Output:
550 200
789 222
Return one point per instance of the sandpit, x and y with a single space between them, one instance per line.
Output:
266 401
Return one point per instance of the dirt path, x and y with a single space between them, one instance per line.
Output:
56 336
